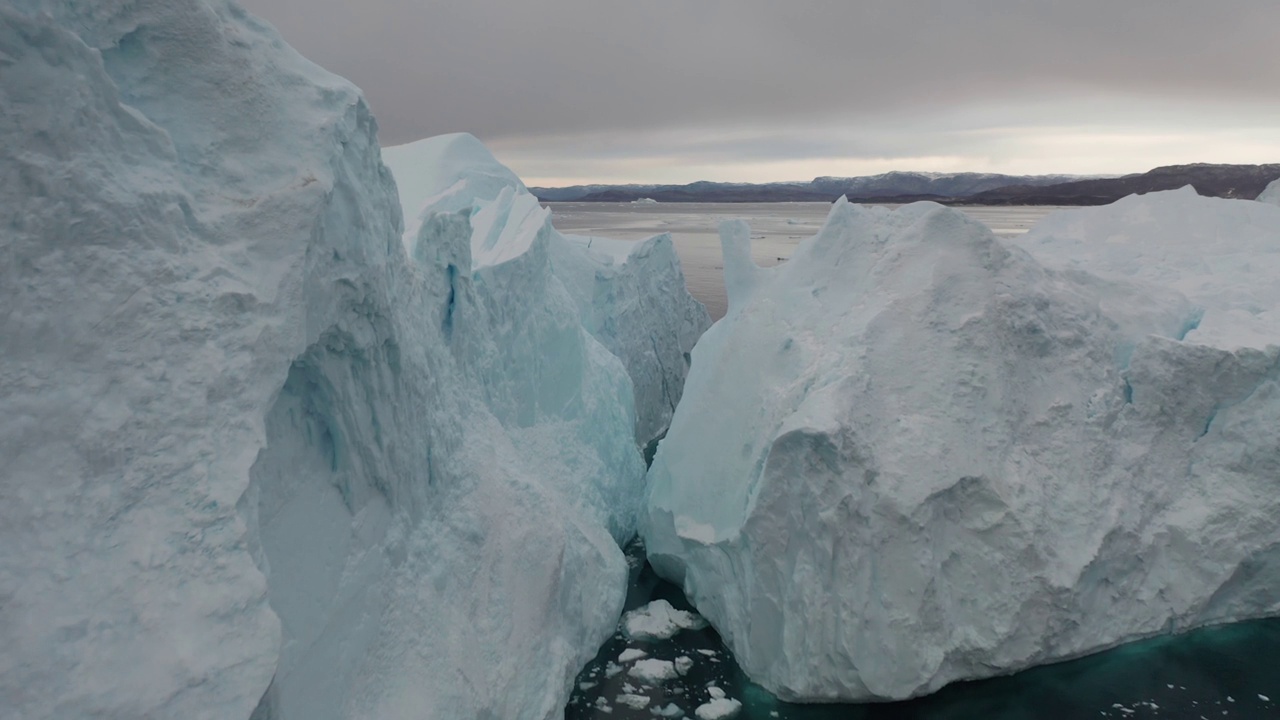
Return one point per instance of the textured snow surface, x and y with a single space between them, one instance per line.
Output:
629 296
1224 255
912 454
1271 193
248 441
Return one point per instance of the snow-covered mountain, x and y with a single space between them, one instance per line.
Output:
824 189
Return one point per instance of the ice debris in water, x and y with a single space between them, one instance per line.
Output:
653 671
659 621
636 702
630 654
670 711
720 708
683 664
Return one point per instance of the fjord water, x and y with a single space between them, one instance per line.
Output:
1227 672
776 229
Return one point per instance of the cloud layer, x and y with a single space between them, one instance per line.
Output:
582 89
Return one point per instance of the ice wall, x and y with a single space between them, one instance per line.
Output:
629 296
913 454
259 461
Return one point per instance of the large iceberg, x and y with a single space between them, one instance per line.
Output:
258 460
914 454
629 296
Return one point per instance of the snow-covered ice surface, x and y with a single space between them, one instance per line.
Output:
1224 255
987 463
257 458
631 296
1271 193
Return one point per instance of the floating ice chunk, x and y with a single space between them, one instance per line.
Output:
612 669
653 671
718 709
586 685
659 620
715 692
708 653
635 702
630 296
670 711
683 664
1262 697
630 654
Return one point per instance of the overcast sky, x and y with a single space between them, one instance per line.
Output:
572 91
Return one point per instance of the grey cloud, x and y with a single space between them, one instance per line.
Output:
554 68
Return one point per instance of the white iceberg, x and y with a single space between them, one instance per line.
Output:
1224 255
912 455
256 455
630 296
1271 193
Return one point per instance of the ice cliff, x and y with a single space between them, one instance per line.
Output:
914 454
629 296
258 460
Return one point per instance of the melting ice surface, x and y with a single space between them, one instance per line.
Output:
1220 672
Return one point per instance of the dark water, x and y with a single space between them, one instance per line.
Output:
1215 673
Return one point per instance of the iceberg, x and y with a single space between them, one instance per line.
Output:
1223 255
630 296
259 459
915 454
1271 193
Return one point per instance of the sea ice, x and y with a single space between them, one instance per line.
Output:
670 711
653 671
631 654
635 702
257 456
683 664
989 463
720 708
659 621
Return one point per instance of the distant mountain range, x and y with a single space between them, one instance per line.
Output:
1231 181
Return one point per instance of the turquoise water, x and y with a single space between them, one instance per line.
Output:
1215 673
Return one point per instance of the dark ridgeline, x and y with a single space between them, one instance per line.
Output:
1227 181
